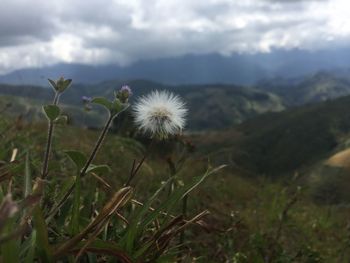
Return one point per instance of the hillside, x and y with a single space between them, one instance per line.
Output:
317 87
249 219
211 106
282 143
30 109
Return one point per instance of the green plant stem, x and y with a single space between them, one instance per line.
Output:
49 142
88 162
184 212
135 168
77 184
97 145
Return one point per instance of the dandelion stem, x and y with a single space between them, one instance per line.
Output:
135 168
44 172
173 172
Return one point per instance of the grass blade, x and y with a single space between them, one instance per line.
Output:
134 225
42 241
31 250
74 224
27 177
119 199
10 248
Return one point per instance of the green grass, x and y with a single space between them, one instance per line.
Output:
143 201
280 144
246 213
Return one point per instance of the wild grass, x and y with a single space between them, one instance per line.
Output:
58 212
100 215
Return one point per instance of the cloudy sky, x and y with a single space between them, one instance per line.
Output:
41 32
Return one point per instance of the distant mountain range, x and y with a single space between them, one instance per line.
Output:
317 87
242 69
211 106
278 127
214 106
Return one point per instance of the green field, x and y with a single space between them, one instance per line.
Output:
276 200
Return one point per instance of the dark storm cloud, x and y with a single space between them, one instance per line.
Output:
22 22
37 32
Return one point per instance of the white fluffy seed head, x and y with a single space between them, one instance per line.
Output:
160 114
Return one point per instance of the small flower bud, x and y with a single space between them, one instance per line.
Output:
124 93
87 103
60 82
86 99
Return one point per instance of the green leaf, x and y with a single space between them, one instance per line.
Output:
67 82
53 84
103 102
9 250
99 169
29 258
77 157
42 240
51 112
62 84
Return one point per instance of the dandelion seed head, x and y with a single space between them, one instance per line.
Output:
160 114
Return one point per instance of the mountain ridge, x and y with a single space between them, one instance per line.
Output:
212 106
280 143
243 69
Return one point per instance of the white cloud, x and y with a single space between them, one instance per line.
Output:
39 32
